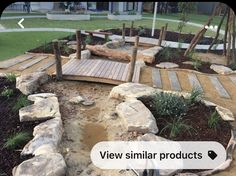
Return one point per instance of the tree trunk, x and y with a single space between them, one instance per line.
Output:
233 45
226 33
218 31
200 34
228 52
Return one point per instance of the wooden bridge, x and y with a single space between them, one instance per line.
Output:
99 70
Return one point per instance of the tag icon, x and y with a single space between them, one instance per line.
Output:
212 154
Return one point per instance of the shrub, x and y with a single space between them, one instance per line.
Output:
196 95
168 54
176 126
170 104
132 13
17 140
116 13
7 93
21 102
141 30
232 66
213 120
88 39
11 77
197 64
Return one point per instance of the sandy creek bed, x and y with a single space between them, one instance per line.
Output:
84 126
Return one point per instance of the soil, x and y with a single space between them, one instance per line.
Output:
178 58
11 125
65 50
170 36
197 116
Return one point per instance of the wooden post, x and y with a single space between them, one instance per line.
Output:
132 64
226 33
58 59
123 31
165 30
106 38
131 29
78 39
136 41
161 36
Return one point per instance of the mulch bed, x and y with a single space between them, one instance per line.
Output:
198 115
179 58
65 51
170 36
11 125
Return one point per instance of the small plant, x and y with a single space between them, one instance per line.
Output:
213 120
116 13
176 126
88 39
21 102
168 104
196 95
168 54
197 64
232 66
17 140
66 49
11 77
141 30
7 92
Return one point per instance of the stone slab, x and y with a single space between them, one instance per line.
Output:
194 82
15 61
34 61
174 82
219 87
156 78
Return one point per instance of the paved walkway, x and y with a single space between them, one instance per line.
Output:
1 27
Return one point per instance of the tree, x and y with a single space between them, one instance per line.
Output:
198 36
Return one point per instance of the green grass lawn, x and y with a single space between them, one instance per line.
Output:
16 43
96 23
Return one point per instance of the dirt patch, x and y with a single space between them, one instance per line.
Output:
170 36
10 125
65 50
89 139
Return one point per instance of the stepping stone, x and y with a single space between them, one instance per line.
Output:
219 87
34 61
156 78
15 61
174 82
194 81
45 66
233 79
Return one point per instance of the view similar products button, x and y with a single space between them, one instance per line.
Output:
157 155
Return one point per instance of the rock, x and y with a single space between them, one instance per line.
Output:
47 136
30 82
131 90
151 137
167 65
41 109
76 100
114 44
85 54
137 117
221 69
88 103
50 164
40 96
208 103
149 54
2 75
74 47
225 114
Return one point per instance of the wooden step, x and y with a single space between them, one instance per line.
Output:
46 66
194 82
15 61
33 62
174 82
219 87
156 78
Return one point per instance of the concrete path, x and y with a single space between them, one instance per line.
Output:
1 27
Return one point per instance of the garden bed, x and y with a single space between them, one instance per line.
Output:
177 56
197 120
65 50
170 36
11 125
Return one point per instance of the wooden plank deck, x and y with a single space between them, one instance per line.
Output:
98 70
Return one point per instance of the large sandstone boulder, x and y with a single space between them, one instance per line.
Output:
148 55
131 90
221 69
49 164
85 54
114 44
30 82
41 109
137 117
47 137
